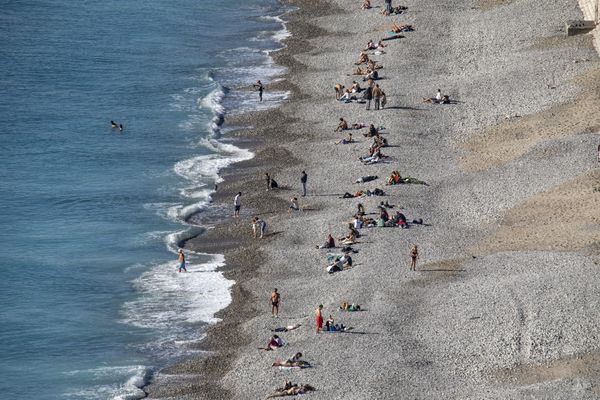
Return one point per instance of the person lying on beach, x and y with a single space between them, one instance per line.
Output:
363 193
364 179
350 307
294 205
341 264
274 343
355 88
401 28
342 125
396 179
294 362
348 239
339 90
372 65
360 71
290 389
380 44
286 328
348 96
346 140
358 125
374 159
384 205
370 45
366 5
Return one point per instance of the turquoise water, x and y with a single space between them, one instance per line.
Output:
90 217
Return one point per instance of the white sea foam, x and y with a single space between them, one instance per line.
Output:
170 301
134 376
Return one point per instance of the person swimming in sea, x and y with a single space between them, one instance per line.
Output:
113 124
121 127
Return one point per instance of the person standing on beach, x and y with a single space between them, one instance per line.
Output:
275 299
368 96
181 260
319 317
303 179
388 6
599 153
414 254
377 96
269 181
237 204
259 86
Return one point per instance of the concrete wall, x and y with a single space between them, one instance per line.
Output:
589 8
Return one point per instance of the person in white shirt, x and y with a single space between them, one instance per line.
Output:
438 95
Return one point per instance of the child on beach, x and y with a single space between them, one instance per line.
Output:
258 225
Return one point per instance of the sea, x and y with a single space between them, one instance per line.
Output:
91 217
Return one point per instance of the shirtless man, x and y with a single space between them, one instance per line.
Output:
339 90
181 260
342 126
275 299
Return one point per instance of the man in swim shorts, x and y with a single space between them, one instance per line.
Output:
181 261
275 299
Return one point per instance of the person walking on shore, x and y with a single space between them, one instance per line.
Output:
414 254
377 96
275 299
181 260
237 204
319 317
259 86
303 179
388 6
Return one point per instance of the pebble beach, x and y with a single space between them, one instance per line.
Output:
504 302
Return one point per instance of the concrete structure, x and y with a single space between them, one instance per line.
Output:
591 12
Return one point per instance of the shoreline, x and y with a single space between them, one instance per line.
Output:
256 266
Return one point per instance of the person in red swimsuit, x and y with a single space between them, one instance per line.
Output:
319 318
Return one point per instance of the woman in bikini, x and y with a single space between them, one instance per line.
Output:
414 254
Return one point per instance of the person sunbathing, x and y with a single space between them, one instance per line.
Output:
401 28
366 5
355 88
358 125
329 243
346 140
339 90
380 44
290 389
342 125
348 96
370 46
349 307
286 328
363 58
274 343
348 239
371 75
294 362
372 131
